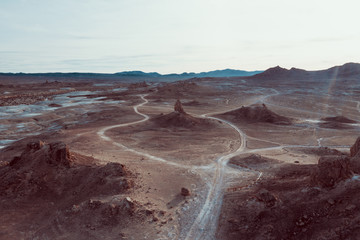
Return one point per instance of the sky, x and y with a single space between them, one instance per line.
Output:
175 36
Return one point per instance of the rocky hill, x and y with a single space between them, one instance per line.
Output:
179 118
337 122
255 114
348 70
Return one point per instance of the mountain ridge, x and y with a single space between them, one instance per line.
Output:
347 70
139 75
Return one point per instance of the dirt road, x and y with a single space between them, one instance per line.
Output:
205 224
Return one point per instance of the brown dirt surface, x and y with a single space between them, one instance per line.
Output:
179 137
181 90
126 156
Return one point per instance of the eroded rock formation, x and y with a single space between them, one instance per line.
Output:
355 149
178 107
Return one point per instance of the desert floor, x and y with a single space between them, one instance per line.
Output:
224 161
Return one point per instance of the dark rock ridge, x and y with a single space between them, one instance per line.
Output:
337 122
355 149
355 156
340 119
257 113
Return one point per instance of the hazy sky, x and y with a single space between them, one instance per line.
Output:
176 35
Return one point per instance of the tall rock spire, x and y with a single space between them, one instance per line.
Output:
178 107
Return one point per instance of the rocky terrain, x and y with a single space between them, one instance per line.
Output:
86 156
66 195
296 201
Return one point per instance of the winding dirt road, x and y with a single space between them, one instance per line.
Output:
102 135
205 224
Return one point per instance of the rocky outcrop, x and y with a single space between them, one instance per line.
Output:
179 118
355 156
178 107
355 149
49 171
331 170
59 154
37 153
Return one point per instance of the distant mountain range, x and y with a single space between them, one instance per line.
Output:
217 73
348 70
135 75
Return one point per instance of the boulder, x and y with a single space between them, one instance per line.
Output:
331 170
185 192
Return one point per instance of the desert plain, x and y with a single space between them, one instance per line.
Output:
271 156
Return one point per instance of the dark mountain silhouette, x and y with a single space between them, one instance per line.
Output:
128 75
348 70
216 73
